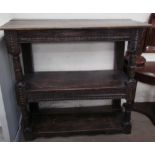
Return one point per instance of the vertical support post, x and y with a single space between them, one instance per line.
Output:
132 51
119 48
15 50
27 58
28 68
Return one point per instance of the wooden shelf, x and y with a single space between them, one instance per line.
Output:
34 87
76 124
70 84
75 80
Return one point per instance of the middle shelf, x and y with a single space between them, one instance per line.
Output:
60 85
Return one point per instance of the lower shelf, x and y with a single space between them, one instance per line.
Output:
65 125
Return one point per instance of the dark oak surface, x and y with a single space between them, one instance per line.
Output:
33 87
75 80
62 125
72 85
71 24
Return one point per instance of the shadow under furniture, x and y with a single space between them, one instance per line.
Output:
33 87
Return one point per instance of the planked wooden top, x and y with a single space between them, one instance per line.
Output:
71 24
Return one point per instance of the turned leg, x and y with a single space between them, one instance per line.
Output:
14 48
23 103
128 106
131 84
25 119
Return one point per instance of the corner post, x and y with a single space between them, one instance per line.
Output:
14 49
131 84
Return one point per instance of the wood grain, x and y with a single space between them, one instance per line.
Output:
64 125
75 80
32 87
71 23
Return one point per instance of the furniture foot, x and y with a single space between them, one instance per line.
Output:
27 130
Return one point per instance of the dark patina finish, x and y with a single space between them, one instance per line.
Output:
33 87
